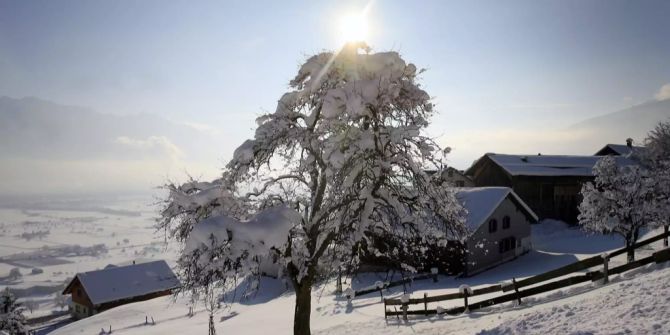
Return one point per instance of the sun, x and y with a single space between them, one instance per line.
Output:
354 28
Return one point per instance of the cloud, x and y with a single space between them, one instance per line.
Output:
153 144
202 128
663 93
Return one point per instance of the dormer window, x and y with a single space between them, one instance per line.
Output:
506 222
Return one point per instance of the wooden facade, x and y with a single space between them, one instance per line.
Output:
81 304
550 197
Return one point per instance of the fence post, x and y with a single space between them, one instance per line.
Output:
465 297
665 239
606 260
425 303
385 312
516 290
338 287
405 305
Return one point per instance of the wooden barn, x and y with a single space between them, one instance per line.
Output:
95 291
549 184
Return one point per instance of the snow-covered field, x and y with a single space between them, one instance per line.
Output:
633 303
50 241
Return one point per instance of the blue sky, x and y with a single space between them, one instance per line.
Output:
491 64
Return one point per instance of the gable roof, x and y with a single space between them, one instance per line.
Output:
551 165
481 202
122 282
618 149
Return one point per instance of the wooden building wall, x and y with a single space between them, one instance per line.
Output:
550 197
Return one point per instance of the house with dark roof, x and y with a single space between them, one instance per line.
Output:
499 224
549 184
95 291
618 149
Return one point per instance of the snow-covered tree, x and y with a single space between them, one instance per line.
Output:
61 301
15 274
657 143
31 305
341 160
656 157
11 314
622 200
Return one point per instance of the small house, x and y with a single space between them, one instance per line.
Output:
499 224
618 149
95 291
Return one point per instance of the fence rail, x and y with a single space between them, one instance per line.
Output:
657 257
395 283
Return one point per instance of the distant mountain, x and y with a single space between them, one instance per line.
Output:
48 148
35 128
634 122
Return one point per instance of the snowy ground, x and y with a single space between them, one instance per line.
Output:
636 302
58 238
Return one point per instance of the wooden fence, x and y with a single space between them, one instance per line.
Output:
395 283
515 286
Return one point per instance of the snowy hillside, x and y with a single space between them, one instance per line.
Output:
48 241
635 302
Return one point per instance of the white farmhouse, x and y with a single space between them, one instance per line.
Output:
499 222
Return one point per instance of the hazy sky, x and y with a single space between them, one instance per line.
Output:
491 64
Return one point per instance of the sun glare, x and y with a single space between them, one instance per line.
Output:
354 28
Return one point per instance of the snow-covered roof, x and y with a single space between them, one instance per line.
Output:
551 165
481 202
121 282
620 149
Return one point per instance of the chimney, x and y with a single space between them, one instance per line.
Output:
629 142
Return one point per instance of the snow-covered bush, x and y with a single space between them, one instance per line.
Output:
341 160
622 200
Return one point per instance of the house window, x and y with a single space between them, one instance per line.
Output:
506 222
507 244
76 308
79 292
460 183
493 225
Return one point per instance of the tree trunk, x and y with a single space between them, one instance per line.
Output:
303 308
631 254
631 238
